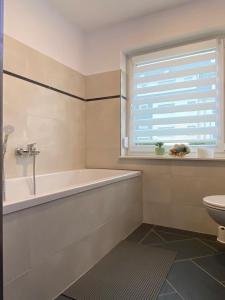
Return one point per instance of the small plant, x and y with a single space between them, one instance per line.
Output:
159 149
159 144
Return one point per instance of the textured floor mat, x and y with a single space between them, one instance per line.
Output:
129 271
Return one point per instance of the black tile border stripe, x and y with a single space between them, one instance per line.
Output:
58 90
42 85
103 98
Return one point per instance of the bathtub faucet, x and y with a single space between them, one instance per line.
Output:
30 150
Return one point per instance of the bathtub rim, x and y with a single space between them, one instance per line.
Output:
41 199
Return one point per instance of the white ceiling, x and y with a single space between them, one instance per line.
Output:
93 14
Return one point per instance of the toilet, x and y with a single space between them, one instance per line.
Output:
215 206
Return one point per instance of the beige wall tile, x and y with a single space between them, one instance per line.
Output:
55 121
172 190
103 84
103 121
27 62
179 216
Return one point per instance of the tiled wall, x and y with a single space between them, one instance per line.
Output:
40 114
102 85
172 190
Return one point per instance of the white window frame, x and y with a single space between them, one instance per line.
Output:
132 150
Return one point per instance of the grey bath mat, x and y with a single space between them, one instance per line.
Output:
129 272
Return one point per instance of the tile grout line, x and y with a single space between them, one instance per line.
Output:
166 294
173 287
68 297
142 239
209 246
196 257
181 239
185 233
161 238
188 239
198 266
175 241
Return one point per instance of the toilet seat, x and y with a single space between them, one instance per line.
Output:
216 202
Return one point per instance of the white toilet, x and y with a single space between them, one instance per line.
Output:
215 206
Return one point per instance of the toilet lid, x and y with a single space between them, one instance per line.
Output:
217 201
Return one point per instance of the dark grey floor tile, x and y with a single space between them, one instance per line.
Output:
185 233
172 296
187 249
166 289
216 245
193 283
214 265
170 236
139 233
151 239
62 297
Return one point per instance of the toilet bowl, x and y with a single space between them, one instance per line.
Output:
215 206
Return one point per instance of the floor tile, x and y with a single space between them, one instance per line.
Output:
216 245
189 278
172 296
193 283
186 233
166 289
170 236
187 249
62 297
139 233
151 239
214 265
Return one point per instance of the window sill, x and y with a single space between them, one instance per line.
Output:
217 157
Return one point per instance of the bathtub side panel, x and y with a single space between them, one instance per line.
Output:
61 240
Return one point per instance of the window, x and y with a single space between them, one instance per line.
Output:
176 96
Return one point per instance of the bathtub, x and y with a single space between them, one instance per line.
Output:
54 186
50 240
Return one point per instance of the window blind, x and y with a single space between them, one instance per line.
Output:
175 96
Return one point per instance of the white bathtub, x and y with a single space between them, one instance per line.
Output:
61 240
58 185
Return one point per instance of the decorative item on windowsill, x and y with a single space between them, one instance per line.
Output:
159 149
180 150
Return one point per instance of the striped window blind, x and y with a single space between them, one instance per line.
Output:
176 97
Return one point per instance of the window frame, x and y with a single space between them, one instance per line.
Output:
156 54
